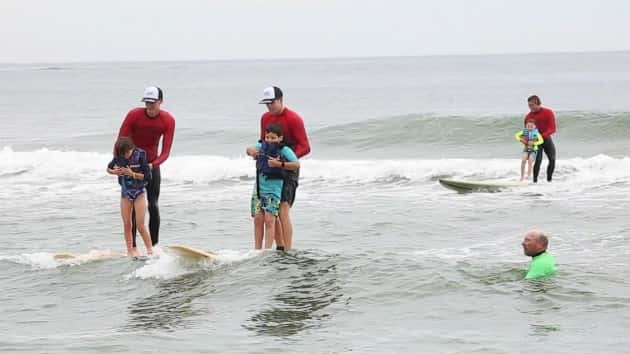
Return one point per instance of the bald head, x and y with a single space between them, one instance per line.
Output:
535 242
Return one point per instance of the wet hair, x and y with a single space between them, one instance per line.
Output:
530 120
123 144
534 98
274 128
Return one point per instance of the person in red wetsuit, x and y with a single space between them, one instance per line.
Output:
294 136
546 124
145 126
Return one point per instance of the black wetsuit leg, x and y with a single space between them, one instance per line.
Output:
537 163
153 194
550 150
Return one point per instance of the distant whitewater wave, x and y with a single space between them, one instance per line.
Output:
419 129
47 166
580 134
413 130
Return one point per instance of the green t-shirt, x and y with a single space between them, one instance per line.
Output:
542 265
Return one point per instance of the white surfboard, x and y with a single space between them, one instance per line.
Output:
191 253
479 186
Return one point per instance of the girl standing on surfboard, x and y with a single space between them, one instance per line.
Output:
530 138
131 166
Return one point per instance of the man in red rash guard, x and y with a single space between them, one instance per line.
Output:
295 136
546 124
145 126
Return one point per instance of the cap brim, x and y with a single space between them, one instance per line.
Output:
265 101
149 100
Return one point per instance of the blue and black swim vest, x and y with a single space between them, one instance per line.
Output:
138 163
530 135
266 151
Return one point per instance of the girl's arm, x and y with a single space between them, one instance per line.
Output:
137 175
112 169
127 171
519 136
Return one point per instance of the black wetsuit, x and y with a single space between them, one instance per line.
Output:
550 150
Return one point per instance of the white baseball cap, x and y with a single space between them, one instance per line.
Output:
152 94
270 94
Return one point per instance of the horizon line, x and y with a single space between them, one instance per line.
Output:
314 58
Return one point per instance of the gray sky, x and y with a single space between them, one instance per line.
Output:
89 30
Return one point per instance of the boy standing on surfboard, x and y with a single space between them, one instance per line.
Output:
273 159
295 135
531 139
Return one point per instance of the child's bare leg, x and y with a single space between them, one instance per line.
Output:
140 206
530 163
523 162
270 229
125 212
279 237
259 224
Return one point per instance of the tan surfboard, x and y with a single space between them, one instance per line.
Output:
64 256
191 253
60 257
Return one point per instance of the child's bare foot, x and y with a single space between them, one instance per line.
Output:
133 252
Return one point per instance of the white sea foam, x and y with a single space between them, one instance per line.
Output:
49 260
168 266
62 169
60 172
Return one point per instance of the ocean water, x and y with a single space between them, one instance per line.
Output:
385 259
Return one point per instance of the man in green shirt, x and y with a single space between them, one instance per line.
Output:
535 246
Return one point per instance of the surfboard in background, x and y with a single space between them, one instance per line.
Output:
478 186
191 253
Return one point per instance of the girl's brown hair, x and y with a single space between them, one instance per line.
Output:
123 144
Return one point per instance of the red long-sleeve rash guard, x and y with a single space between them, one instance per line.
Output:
145 132
545 121
292 128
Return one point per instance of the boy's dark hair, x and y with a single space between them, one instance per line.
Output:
123 144
534 98
274 128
